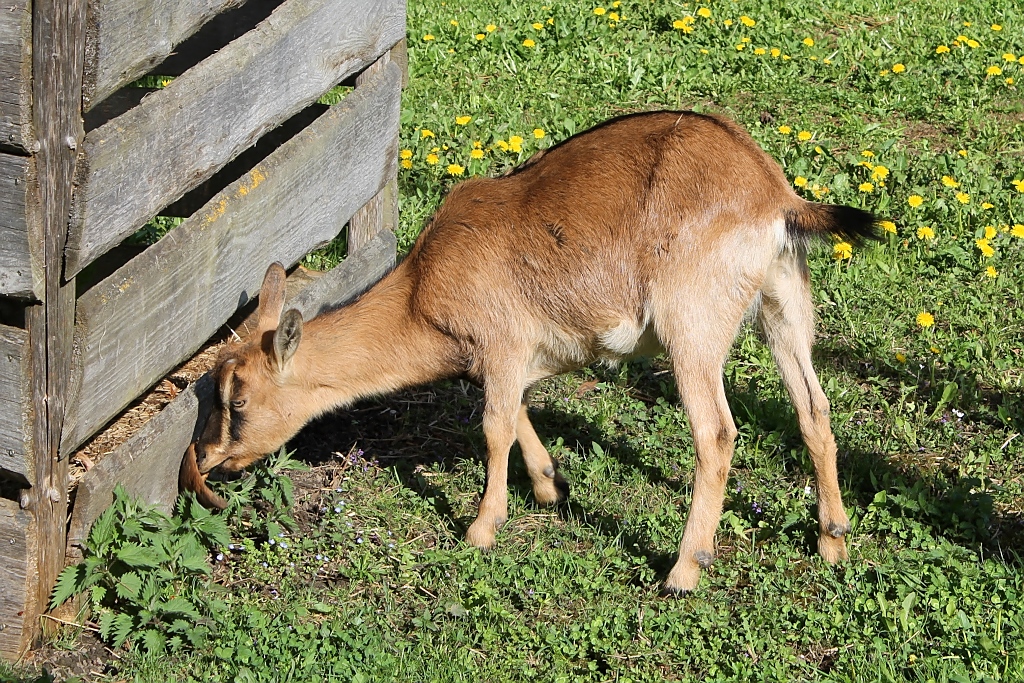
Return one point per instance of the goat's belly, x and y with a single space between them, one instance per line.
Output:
628 340
566 352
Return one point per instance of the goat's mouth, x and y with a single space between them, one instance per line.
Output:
192 478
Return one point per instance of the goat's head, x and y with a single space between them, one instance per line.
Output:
259 395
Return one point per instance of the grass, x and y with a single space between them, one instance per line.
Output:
371 579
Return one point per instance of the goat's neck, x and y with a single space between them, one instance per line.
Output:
375 346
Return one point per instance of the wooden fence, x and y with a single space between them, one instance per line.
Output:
236 142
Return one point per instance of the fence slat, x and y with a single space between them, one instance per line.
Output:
178 137
147 464
18 558
21 269
159 308
16 75
127 38
15 405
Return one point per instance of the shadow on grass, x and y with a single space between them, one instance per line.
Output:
439 427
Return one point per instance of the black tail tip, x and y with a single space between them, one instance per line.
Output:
851 224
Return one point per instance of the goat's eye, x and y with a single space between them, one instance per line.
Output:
238 403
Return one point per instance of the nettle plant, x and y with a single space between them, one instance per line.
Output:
146 576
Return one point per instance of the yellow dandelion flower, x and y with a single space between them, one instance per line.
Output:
1019 184
962 38
986 249
406 163
428 37
898 68
454 22
963 153
405 154
760 51
973 44
819 150
503 145
888 226
463 120
934 349
1009 81
800 181
477 144
515 143
996 27
948 181
786 58
432 159
727 22
867 154
925 233
1017 230
963 197
1020 60
476 154
775 52
915 200
455 169
426 133
803 136
490 28
744 40
599 11
537 26
740 46
616 3
994 71
704 13
991 271
683 25
528 43
879 172
785 130
808 41
990 231
941 48
747 21
480 36
842 251
538 133
866 187
900 357
987 206
1009 57
614 16
925 319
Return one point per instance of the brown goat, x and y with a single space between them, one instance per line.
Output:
651 232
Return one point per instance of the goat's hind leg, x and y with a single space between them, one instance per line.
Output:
549 487
787 318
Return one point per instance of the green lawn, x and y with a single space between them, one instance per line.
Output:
908 109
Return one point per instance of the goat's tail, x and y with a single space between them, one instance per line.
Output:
853 225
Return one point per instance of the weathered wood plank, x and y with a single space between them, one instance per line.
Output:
58 54
18 550
16 456
156 310
381 212
147 464
16 75
178 137
21 258
127 38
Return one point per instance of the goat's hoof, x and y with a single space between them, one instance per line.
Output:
704 558
836 530
683 578
551 491
832 549
481 533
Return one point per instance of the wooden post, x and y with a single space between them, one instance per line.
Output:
58 56
381 212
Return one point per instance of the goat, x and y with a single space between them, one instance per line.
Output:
650 232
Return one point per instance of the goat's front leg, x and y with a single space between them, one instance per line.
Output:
549 487
500 414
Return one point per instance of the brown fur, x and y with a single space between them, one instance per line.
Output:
649 232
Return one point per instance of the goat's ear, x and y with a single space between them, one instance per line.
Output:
271 298
287 337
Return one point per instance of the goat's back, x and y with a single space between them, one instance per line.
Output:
579 235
